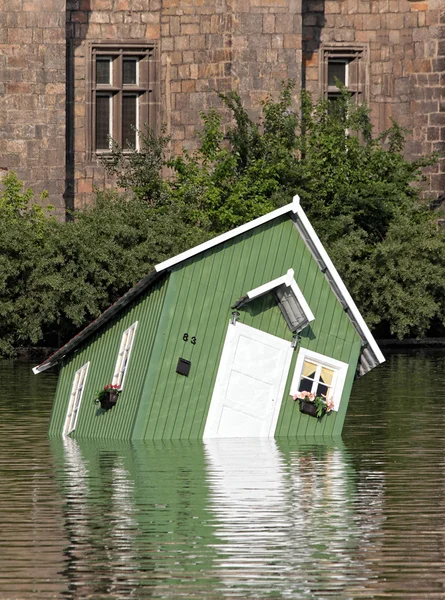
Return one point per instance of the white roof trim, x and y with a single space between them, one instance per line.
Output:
302 300
267 287
289 281
295 208
341 286
292 207
41 368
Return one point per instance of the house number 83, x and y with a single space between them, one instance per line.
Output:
185 338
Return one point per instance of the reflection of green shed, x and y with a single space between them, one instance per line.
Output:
217 340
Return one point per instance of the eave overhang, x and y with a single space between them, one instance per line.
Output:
108 314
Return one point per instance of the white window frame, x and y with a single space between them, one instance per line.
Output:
136 59
289 281
109 60
356 60
123 357
340 370
80 377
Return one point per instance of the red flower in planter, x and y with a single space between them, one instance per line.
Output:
108 389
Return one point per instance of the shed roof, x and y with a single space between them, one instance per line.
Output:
371 354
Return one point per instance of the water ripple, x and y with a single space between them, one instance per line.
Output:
311 519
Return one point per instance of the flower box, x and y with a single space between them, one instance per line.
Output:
108 396
313 405
308 408
108 400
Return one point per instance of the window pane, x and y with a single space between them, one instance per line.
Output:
326 375
129 121
129 72
305 385
309 369
103 71
322 390
102 122
336 70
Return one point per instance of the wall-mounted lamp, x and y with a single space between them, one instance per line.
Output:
295 340
235 317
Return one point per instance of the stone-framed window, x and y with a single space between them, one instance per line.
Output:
347 64
122 93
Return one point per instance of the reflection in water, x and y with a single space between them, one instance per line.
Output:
309 519
286 517
136 519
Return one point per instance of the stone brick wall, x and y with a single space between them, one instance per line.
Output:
206 46
406 70
32 94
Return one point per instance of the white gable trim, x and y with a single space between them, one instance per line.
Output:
339 283
271 285
289 281
305 229
167 264
295 208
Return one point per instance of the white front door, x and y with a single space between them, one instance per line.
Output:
249 385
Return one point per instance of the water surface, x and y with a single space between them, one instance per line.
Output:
361 517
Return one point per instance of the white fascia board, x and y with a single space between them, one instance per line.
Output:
267 287
220 239
302 301
339 283
41 368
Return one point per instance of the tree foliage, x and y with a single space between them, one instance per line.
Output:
56 277
358 189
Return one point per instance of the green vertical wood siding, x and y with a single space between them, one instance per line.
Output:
102 350
196 299
198 302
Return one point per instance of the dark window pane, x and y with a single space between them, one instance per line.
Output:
129 121
103 71
336 70
129 72
322 389
305 385
102 122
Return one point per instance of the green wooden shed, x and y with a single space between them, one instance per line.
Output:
217 342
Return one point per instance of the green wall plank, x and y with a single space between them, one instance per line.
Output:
101 351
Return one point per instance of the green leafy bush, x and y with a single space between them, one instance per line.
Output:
356 188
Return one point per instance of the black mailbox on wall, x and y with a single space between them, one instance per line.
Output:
183 367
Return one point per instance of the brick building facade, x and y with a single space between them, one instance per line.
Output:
74 71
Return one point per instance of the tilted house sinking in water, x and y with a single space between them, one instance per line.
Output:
217 341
